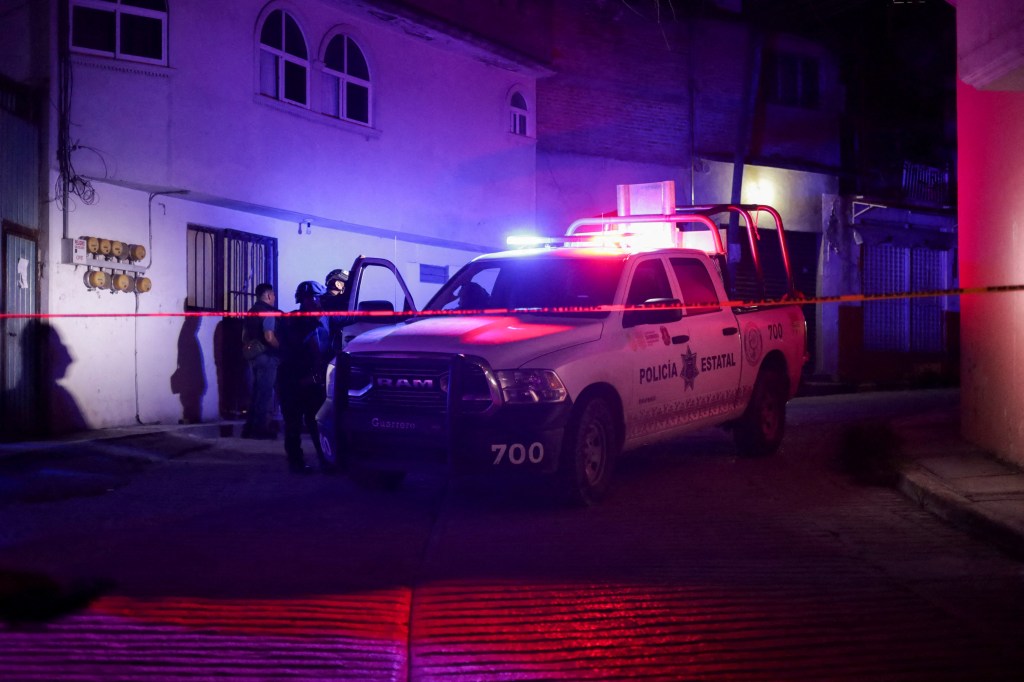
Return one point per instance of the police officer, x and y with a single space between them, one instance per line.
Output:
336 300
301 385
260 346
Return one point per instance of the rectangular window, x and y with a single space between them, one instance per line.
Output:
294 82
695 285
790 79
357 102
141 37
135 31
268 74
93 29
224 266
518 123
331 94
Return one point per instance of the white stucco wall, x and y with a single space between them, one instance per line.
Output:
436 179
572 186
796 195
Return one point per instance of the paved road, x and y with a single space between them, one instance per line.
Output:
700 566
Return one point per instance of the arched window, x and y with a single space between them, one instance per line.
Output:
134 30
346 81
284 60
518 114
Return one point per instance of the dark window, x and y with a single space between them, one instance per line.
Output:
141 37
517 114
553 286
791 80
284 63
695 285
134 30
649 281
346 81
224 266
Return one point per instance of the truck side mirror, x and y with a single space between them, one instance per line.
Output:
654 311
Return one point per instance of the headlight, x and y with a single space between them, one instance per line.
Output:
531 386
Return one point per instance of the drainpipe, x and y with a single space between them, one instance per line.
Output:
691 78
744 133
64 113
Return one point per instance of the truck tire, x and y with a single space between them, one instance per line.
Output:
588 452
760 430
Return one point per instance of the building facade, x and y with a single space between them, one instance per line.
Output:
275 141
990 125
241 143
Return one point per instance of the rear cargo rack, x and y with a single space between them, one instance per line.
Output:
630 229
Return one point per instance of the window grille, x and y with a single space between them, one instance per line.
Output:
224 267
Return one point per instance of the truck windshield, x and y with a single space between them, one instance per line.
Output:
547 285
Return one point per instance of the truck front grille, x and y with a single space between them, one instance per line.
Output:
417 383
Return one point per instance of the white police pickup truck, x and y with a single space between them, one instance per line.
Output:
553 361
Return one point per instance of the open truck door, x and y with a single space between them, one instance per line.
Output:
378 296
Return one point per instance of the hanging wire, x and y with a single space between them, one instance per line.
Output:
69 182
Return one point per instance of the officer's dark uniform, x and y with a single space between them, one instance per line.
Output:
264 371
335 300
301 386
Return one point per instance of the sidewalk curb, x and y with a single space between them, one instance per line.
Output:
205 430
933 495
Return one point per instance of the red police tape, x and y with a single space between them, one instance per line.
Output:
784 301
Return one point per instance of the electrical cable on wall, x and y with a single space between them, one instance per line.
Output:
69 182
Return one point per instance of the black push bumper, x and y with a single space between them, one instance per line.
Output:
503 439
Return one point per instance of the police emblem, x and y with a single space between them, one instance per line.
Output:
753 344
690 370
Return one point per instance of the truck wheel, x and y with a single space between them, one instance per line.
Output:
759 431
588 452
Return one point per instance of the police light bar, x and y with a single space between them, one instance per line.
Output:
521 241
647 232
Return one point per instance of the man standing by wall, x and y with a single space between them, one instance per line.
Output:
260 348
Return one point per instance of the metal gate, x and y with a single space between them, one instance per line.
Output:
904 325
19 369
223 269
19 218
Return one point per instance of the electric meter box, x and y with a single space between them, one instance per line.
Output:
75 251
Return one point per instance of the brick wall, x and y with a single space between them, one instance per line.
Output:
620 85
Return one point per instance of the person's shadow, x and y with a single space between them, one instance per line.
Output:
189 380
36 404
233 376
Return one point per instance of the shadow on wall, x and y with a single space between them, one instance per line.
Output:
37 405
189 379
232 370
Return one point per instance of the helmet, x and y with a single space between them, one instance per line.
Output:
308 288
334 277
